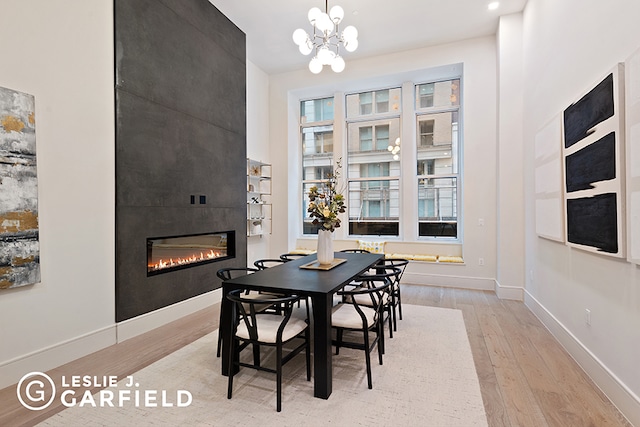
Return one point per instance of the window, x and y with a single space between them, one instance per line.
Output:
437 115
316 135
384 167
426 133
375 102
373 174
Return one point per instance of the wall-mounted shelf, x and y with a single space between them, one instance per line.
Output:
258 191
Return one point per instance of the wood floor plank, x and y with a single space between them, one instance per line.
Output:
569 378
522 407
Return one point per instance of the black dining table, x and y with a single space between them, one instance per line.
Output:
319 286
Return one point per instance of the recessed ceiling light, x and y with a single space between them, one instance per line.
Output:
493 5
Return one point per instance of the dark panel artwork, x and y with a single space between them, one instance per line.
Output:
593 108
595 162
592 221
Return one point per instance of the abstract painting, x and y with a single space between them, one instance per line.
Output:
632 123
593 150
19 236
548 181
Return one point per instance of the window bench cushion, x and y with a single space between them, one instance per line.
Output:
451 259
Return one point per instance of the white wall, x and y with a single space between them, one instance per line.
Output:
257 143
568 47
510 180
479 59
62 53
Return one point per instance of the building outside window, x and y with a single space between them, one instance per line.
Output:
437 115
374 151
316 136
373 203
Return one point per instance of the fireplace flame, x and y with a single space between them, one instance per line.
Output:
195 258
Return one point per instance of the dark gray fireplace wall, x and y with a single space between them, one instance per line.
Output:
180 132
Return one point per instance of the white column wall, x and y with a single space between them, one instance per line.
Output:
568 47
510 181
257 143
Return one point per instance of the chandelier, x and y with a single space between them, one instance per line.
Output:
326 39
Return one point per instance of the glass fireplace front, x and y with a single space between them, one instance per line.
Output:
166 254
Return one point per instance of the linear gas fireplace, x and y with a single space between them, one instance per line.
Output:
166 254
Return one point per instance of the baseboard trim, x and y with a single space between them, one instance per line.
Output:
449 281
509 292
144 323
56 355
627 402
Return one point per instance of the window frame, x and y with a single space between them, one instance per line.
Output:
405 107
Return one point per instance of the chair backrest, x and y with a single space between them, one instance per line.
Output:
356 251
373 285
247 309
233 272
398 263
291 257
263 264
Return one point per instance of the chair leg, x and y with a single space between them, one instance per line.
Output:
394 302
256 354
279 377
308 351
232 346
219 335
367 357
380 332
338 340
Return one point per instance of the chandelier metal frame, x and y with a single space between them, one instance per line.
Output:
326 39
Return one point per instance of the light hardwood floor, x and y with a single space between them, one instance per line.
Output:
526 377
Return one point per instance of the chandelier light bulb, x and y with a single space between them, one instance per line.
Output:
324 23
313 15
350 33
338 64
306 48
315 65
351 45
325 55
336 14
300 36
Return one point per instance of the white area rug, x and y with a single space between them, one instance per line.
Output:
428 379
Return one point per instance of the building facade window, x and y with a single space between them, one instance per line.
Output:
316 136
373 175
437 115
378 159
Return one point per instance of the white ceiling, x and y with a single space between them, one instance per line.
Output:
383 26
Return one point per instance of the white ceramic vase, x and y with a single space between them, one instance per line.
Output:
325 246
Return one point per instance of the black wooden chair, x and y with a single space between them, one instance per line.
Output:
356 251
263 264
228 274
387 301
290 257
396 296
250 326
355 317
